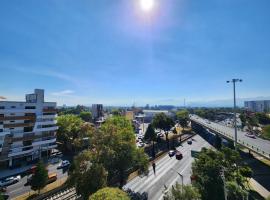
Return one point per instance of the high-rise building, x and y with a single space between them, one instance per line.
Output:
27 129
97 111
258 106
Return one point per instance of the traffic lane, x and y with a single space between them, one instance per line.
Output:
20 187
166 171
184 168
258 142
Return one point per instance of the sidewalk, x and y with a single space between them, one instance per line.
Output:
259 188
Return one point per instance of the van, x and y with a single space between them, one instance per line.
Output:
51 178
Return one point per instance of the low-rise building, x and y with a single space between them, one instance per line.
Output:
27 129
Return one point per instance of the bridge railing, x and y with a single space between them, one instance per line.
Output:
252 147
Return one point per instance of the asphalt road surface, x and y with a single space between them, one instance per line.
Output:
19 188
166 171
262 145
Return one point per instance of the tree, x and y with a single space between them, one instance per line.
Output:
109 193
88 175
266 132
151 135
40 177
116 149
86 116
207 168
185 192
235 192
165 123
73 131
68 129
263 118
116 112
182 117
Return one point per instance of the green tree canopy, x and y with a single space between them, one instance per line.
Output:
207 169
151 135
266 132
163 122
116 148
182 116
235 192
87 174
40 177
72 131
108 193
86 116
187 192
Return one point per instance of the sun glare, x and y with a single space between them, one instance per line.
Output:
147 5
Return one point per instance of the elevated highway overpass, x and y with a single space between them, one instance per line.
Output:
257 145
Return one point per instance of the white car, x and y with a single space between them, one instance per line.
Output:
10 180
63 164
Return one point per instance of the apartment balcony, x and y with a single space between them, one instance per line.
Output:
44 142
54 128
49 110
19 152
17 118
18 125
12 110
45 116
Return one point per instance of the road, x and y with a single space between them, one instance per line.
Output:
166 171
259 145
19 188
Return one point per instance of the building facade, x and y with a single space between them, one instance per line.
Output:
258 106
27 129
97 111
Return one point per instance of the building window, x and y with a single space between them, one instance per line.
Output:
30 107
2 107
13 106
1 130
12 121
12 113
11 128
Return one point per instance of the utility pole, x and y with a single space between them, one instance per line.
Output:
234 109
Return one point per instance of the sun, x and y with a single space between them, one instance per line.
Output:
147 5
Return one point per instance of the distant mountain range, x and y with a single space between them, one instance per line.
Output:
224 102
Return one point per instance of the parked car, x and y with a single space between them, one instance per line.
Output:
171 153
63 164
51 178
251 136
178 155
10 180
189 141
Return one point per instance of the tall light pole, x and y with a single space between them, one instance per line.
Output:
234 110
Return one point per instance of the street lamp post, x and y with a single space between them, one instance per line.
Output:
181 176
234 101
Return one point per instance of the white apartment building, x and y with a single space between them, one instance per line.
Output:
258 106
27 129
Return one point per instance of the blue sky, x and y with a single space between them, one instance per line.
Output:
111 52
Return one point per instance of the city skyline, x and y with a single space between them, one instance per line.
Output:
116 54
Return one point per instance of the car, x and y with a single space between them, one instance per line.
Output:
63 164
178 155
140 137
10 180
251 136
189 141
171 153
